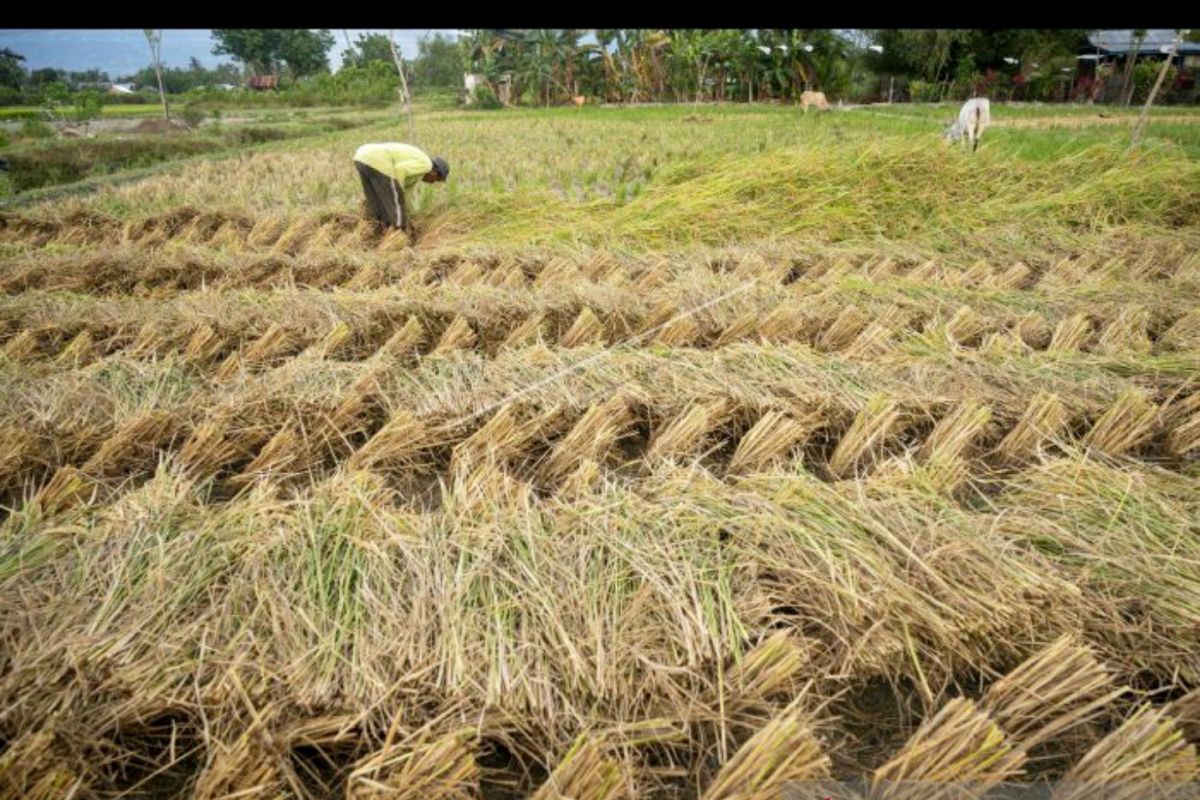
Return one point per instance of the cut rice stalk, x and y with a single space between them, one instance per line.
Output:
1147 756
685 434
1044 419
586 329
527 332
955 432
959 752
1126 332
1184 333
770 439
871 426
1184 418
586 772
136 440
442 769
78 351
459 335
848 325
1071 334
771 667
397 444
592 437
783 751
966 327
1128 422
406 341
1057 688
742 327
1015 277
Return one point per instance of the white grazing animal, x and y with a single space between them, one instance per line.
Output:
973 120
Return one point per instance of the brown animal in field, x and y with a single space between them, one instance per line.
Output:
814 98
578 100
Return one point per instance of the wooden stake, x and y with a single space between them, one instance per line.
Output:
1162 73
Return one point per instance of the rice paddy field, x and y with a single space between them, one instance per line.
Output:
689 452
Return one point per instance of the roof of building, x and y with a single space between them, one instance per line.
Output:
1156 41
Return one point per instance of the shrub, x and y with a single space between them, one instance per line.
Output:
257 134
485 98
922 91
36 129
193 115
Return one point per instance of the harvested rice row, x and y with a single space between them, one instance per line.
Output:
851 332
857 436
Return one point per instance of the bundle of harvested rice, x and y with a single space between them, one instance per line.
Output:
267 230
397 444
848 325
68 487
871 426
592 437
959 752
1015 277
1130 420
413 769
1059 687
586 772
33 768
586 329
873 340
771 667
742 327
138 439
782 752
956 431
1044 418
978 274
1071 334
770 439
22 346
78 351
1034 331
1183 417
332 343
505 435
1147 756
459 335
966 327
528 331
1127 331
1184 333
685 434
406 341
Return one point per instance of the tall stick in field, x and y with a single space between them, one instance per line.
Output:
405 96
154 39
1162 73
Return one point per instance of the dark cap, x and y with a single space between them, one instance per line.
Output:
443 169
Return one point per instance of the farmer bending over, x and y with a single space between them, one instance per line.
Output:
390 169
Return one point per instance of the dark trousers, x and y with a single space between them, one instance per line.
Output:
385 196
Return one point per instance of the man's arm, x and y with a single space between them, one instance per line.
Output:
406 220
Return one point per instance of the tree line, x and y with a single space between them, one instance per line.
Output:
550 66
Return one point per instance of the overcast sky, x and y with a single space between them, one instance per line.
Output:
122 52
